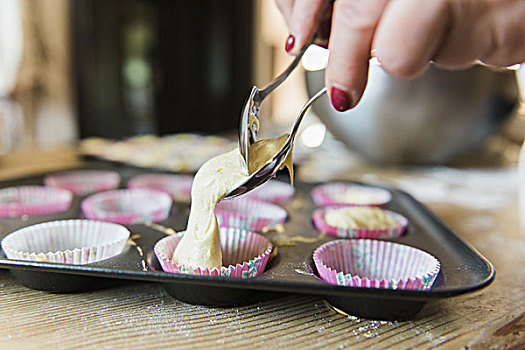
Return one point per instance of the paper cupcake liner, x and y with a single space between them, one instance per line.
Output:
84 181
244 254
177 186
249 214
68 242
273 191
387 232
375 264
33 200
323 195
127 206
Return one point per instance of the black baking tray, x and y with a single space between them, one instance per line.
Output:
463 269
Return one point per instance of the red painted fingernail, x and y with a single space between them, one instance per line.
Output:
340 99
290 42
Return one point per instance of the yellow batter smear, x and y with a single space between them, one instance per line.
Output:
200 245
333 308
359 217
260 152
252 120
276 228
288 163
285 240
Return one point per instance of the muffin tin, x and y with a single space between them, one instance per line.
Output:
290 270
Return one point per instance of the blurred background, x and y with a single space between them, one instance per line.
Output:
71 70
75 69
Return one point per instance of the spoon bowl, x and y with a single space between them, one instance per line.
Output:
277 161
248 126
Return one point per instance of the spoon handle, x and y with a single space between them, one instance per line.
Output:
272 85
304 109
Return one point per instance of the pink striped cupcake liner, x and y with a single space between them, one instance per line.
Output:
377 233
75 242
375 264
244 254
273 191
326 195
249 214
177 186
84 181
135 206
33 200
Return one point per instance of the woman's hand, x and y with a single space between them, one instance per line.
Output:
405 36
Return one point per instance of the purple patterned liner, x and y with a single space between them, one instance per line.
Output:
67 241
249 214
84 181
377 233
323 194
237 245
273 191
375 264
135 206
33 200
177 186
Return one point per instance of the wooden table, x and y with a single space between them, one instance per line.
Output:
142 315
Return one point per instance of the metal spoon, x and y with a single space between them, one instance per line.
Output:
273 165
247 132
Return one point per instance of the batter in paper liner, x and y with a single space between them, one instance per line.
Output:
200 245
355 195
359 217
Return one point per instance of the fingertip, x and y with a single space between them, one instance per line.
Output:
408 35
403 67
303 24
293 45
289 44
346 73
340 99
346 83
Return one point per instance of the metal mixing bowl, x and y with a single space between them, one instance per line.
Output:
435 118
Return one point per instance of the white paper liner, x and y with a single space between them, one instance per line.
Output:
323 195
33 200
375 264
84 181
273 191
249 214
127 206
75 242
177 186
